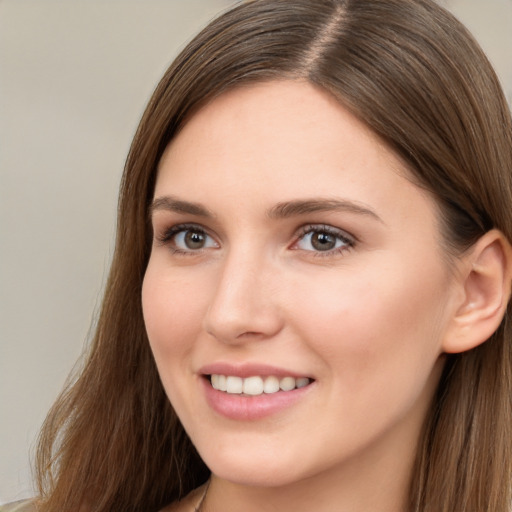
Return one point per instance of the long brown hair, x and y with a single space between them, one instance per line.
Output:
415 76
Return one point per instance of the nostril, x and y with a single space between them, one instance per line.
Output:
234 316
249 334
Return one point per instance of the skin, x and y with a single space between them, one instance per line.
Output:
366 320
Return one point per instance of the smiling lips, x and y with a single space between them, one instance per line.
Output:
255 385
251 391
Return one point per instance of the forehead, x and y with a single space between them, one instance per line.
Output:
279 141
277 116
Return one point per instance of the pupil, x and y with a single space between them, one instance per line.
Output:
194 240
323 241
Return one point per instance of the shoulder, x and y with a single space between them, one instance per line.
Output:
19 506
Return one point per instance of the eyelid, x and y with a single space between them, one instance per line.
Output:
322 226
348 239
166 236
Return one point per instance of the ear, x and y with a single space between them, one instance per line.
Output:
486 276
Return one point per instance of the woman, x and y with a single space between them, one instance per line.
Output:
308 306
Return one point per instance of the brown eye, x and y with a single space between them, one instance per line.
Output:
194 239
323 241
188 239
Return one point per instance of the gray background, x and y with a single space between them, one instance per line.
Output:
74 78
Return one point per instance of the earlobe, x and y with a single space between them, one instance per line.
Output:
486 280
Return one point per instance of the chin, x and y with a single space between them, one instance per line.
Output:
256 476
241 469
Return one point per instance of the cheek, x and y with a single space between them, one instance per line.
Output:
172 312
374 330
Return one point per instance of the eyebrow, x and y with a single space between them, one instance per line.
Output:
305 206
172 204
281 210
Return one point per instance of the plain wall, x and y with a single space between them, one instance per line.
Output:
74 79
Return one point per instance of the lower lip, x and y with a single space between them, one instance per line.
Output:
247 408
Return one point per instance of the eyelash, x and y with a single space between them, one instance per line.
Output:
347 240
168 236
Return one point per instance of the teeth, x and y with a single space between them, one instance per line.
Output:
255 386
303 381
219 382
271 385
234 385
287 383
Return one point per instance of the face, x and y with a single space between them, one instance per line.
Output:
292 252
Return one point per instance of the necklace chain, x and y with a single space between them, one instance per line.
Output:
199 507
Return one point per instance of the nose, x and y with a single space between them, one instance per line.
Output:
245 305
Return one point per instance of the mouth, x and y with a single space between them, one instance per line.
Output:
252 391
256 385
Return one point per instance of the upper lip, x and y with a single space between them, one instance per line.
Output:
245 370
